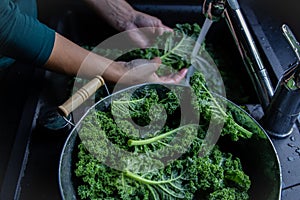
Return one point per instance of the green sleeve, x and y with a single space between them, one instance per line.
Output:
23 37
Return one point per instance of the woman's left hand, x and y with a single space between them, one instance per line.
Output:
142 28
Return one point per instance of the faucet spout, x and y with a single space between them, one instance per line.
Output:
249 52
213 9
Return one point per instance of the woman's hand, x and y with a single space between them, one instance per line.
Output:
69 58
141 27
140 71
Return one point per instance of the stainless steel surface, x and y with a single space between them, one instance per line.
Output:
233 4
289 35
258 154
287 32
249 52
281 114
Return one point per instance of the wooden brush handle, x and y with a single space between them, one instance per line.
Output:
81 95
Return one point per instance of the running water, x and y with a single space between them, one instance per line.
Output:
206 25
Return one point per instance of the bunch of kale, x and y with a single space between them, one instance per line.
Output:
154 169
126 152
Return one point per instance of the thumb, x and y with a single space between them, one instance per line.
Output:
138 36
156 60
153 65
144 66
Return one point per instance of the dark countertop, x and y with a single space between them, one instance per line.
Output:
29 156
289 154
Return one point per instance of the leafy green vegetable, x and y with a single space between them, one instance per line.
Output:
206 101
138 148
106 173
174 48
228 193
188 177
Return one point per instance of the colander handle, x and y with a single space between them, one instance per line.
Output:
81 95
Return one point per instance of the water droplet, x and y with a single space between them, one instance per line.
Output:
291 158
291 145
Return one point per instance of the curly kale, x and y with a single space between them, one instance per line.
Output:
207 104
228 194
106 173
162 160
214 176
173 48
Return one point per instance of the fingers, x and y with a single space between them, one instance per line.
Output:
144 37
145 29
174 78
142 70
143 67
145 70
137 36
154 25
164 29
156 60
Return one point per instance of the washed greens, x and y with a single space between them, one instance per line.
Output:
126 152
107 175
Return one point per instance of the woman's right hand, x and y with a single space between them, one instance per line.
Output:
69 58
141 71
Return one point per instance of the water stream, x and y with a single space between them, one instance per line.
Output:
206 25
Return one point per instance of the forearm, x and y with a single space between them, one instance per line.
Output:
69 58
22 37
116 12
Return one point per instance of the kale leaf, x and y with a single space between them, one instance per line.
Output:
162 160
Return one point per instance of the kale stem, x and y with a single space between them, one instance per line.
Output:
214 101
156 138
146 181
172 50
178 188
152 192
165 144
123 181
247 134
128 101
169 192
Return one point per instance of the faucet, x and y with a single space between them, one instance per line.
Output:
213 9
249 52
283 111
282 106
